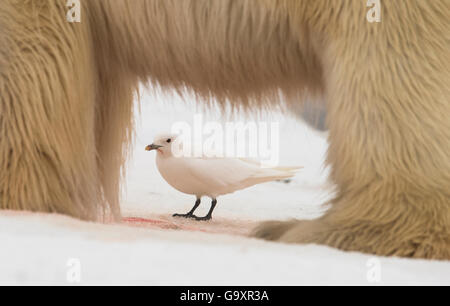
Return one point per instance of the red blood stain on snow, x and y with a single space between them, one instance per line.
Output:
233 227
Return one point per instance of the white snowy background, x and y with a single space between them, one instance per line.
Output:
45 249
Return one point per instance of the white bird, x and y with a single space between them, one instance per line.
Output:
210 176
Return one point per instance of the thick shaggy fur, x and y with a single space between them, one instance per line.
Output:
66 103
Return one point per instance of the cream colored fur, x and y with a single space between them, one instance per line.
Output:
66 93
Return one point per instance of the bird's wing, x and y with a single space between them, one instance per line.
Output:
220 171
231 173
282 168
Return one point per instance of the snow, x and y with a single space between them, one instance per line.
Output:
47 249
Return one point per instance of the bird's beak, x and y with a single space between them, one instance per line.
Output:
152 147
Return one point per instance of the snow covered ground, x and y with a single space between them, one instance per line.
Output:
52 249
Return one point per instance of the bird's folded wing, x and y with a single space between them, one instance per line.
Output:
282 168
217 171
232 172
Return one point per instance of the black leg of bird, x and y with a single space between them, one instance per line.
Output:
191 213
209 215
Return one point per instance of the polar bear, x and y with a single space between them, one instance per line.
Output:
66 95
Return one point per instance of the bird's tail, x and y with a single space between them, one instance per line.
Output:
267 176
293 169
278 173
289 169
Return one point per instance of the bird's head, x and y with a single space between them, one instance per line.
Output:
162 144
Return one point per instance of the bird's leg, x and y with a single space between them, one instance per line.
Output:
209 215
191 213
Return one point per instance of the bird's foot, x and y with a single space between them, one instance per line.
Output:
205 218
187 216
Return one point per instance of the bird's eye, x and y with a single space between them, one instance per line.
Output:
169 140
